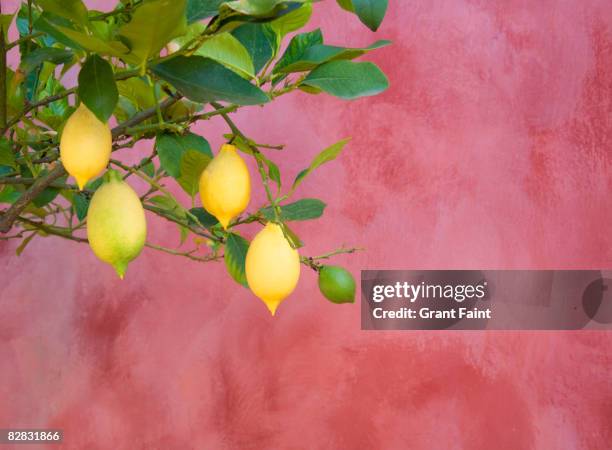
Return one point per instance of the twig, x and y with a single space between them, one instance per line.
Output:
313 261
190 255
49 229
25 38
160 212
31 181
7 219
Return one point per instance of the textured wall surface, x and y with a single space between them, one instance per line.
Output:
492 149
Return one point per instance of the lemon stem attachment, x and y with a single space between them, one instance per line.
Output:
112 175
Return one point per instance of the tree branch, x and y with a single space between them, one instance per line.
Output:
49 229
7 219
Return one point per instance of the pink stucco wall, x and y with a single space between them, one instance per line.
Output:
492 149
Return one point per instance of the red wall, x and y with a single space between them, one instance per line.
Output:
492 149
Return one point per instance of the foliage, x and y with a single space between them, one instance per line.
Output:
159 67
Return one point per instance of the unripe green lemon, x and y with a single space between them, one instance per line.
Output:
85 145
116 225
337 284
225 185
272 266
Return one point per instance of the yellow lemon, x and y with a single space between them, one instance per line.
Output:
116 225
85 145
225 185
272 266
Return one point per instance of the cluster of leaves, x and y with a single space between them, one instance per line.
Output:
158 67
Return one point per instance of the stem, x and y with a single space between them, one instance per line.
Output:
207 115
160 118
7 219
25 38
189 255
162 213
30 16
49 229
313 261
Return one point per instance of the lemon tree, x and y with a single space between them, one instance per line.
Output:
149 70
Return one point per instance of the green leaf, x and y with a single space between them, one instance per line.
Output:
81 205
297 48
19 250
204 217
137 91
236 248
73 10
347 79
171 147
153 25
148 168
202 9
95 184
315 55
92 43
193 164
292 21
370 12
259 41
273 172
261 8
204 80
184 231
35 58
329 154
346 5
7 157
227 50
291 237
47 24
170 205
97 88
304 209
46 197
9 195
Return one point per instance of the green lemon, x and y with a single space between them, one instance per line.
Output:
337 284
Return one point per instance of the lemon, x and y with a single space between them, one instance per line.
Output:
85 145
225 185
272 266
116 225
337 284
